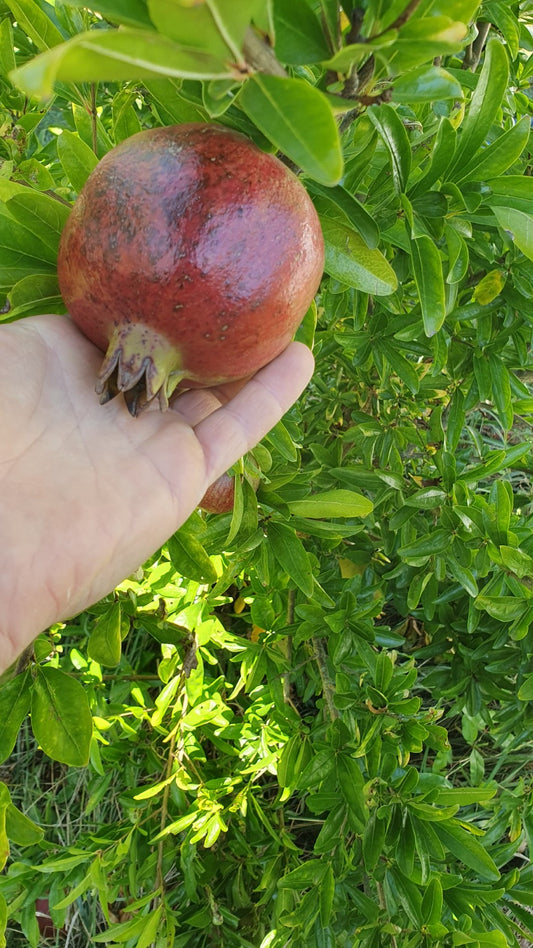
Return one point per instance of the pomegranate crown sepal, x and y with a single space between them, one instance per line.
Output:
141 364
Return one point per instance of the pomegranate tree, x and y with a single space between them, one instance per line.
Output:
189 258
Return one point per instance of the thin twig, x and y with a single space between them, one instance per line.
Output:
94 117
291 600
328 685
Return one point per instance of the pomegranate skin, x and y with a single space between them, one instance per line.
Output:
220 495
190 257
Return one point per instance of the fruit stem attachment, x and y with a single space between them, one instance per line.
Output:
142 364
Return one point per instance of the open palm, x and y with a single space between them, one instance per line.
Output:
87 493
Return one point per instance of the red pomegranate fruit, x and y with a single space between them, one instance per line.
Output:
190 258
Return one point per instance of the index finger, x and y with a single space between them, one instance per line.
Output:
236 427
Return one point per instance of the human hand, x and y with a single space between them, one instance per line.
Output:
88 493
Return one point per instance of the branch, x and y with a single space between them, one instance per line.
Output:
328 686
260 55
474 52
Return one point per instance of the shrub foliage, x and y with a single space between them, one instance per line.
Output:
308 722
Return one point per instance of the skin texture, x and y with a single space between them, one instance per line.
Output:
88 493
194 232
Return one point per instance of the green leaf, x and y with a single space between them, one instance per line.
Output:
7 53
427 498
123 931
503 608
332 503
291 556
20 829
373 842
399 364
441 156
467 849
355 53
152 923
484 106
34 21
60 716
15 699
501 500
496 158
422 39
506 22
515 560
501 389
329 15
34 295
126 12
392 130
198 26
189 557
3 921
525 692
309 873
512 191
280 438
464 576
307 328
465 796
77 159
125 119
105 641
327 896
318 770
297 119
352 262
489 287
432 902
299 35
354 211
463 10
426 84
458 255
42 215
519 226
21 252
438 541
115 56
429 279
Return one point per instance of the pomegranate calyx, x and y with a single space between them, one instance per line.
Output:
142 364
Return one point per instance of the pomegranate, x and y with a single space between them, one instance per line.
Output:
189 258
219 496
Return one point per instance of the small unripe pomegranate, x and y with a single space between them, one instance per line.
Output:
189 258
220 495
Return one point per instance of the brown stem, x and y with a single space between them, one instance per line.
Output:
50 193
328 685
260 56
474 52
401 19
288 646
94 117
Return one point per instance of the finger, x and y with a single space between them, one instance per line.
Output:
235 428
197 403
